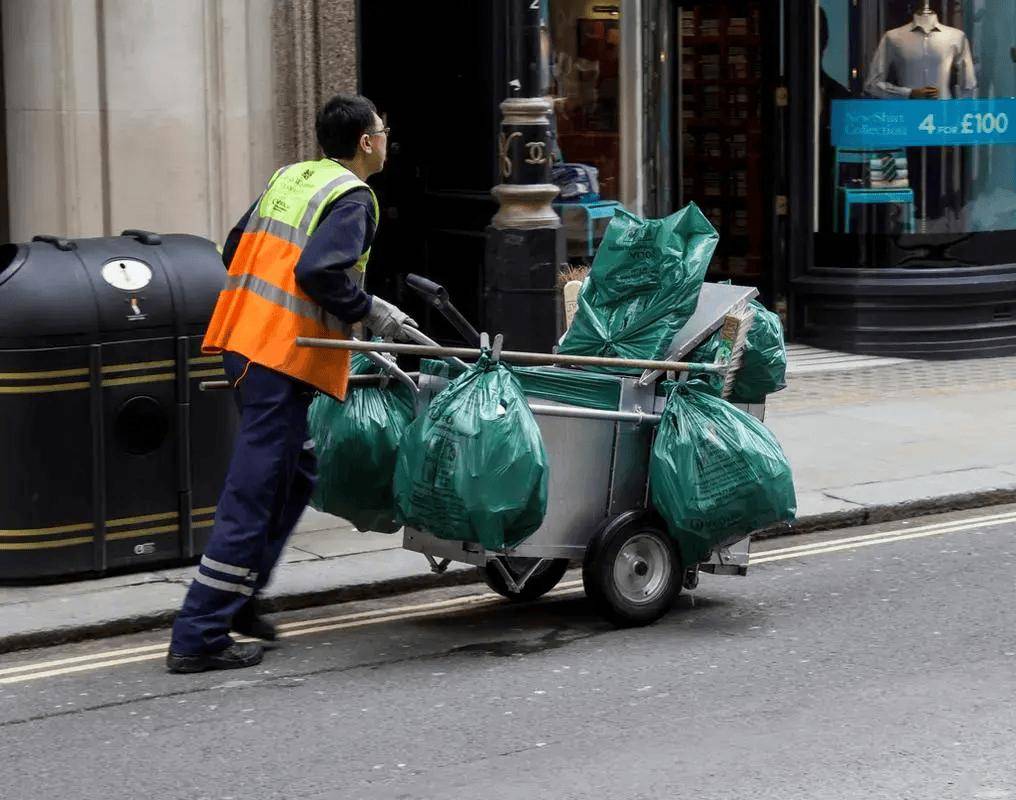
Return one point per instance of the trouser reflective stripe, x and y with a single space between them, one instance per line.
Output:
270 480
224 586
225 569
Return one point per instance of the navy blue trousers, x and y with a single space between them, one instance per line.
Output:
270 480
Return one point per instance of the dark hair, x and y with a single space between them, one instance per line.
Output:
341 122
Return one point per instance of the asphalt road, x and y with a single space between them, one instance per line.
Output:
876 668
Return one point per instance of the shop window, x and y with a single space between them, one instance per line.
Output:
916 139
720 80
586 46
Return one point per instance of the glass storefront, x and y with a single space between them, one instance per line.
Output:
721 80
585 62
916 132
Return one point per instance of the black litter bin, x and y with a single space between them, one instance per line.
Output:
111 457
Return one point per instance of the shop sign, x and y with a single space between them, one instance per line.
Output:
923 123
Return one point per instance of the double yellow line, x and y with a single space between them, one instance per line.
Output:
289 630
459 605
885 537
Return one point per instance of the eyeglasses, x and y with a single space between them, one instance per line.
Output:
386 131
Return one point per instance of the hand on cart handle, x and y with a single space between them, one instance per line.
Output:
387 320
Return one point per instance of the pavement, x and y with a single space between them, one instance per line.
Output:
881 667
869 440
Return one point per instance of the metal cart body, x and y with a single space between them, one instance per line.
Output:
599 466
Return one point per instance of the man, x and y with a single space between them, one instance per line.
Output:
296 263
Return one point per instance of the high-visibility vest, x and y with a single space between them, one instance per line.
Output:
261 310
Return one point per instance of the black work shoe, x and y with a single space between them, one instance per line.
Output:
236 656
249 622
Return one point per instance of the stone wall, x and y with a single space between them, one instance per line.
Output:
315 44
161 114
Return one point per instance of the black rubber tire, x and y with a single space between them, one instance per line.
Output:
598 571
542 582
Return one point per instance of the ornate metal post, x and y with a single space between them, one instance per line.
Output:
525 243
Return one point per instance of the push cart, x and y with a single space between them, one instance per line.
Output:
598 441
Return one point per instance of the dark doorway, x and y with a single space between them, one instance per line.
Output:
436 73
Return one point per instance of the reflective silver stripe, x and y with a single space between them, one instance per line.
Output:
222 586
283 230
225 569
280 297
322 194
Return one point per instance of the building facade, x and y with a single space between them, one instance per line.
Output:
869 221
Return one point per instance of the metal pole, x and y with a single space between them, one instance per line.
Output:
354 380
638 417
525 242
532 359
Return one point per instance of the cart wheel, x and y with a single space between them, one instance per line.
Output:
632 570
542 581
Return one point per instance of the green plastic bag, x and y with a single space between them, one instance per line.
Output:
571 386
716 473
643 285
763 367
357 442
473 467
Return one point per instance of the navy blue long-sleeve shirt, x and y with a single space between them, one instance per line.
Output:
344 233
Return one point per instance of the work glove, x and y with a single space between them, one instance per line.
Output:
386 320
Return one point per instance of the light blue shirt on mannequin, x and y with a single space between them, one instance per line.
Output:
919 54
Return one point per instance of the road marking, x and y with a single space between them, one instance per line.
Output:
130 655
287 630
942 527
158 651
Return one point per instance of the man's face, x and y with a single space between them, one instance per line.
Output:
375 145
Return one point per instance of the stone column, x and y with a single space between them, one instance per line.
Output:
136 114
315 45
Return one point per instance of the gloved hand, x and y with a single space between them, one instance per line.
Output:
386 320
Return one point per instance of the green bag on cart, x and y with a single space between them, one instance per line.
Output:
716 473
643 285
473 467
357 442
763 369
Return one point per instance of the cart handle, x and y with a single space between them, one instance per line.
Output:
519 357
436 295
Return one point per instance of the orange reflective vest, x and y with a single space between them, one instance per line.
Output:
261 310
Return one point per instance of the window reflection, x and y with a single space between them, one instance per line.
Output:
917 117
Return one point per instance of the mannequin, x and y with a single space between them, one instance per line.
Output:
926 60
918 60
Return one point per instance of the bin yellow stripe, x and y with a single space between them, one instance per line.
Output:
119 523
51 373
113 523
158 377
111 368
44 389
76 528
46 545
114 537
